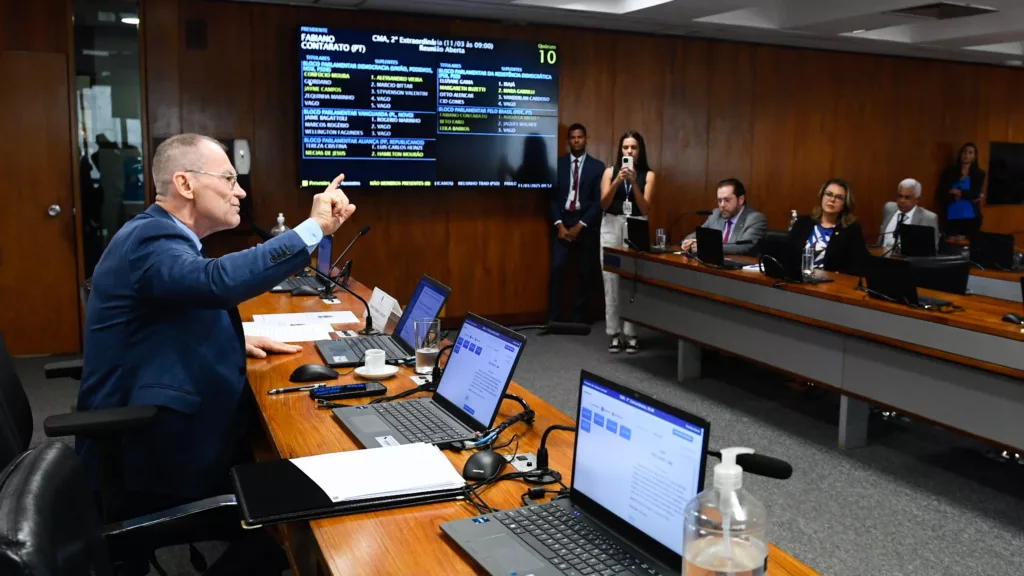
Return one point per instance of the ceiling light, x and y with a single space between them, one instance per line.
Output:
1015 62
862 30
134 20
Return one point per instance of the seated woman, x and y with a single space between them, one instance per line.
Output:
832 230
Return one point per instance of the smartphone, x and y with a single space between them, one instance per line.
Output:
358 390
627 162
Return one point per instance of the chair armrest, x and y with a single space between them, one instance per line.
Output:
91 423
214 518
65 369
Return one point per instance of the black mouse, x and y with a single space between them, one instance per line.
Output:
306 291
483 465
313 373
1013 318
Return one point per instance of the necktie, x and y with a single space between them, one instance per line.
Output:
900 219
728 231
575 184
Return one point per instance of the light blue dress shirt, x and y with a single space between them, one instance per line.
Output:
309 231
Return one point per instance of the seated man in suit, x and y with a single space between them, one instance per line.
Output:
906 211
737 221
162 327
575 211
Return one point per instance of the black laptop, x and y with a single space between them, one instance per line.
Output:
477 375
781 258
710 251
323 265
636 463
916 240
893 279
399 346
638 231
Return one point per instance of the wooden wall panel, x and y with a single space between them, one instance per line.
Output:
34 26
162 35
731 115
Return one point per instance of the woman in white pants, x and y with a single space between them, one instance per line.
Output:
626 190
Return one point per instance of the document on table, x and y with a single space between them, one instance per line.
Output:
382 306
753 267
342 317
284 333
381 472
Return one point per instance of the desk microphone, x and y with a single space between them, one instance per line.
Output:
761 465
349 247
368 329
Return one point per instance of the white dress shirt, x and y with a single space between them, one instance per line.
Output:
572 184
890 236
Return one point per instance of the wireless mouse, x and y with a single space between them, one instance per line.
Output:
1013 318
313 373
483 465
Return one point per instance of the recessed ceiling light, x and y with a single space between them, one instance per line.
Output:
130 20
862 30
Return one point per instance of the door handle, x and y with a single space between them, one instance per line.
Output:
53 210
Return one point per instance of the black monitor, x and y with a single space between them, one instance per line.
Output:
943 273
991 250
916 240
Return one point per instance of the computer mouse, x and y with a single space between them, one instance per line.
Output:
483 465
313 373
306 291
1013 318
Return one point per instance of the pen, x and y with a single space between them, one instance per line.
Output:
305 388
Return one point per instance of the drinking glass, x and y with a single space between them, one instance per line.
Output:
427 338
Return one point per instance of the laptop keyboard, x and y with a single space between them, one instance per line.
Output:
300 281
385 343
572 545
419 422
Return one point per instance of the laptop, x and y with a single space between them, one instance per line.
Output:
476 377
893 279
399 346
709 249
781 258
916 240
323 265
636 464
638 231
991 250
944 273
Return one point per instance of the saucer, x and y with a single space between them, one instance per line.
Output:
387 372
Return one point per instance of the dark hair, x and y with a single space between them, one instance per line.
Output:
574 127
846 217
737 187
960 154
640 164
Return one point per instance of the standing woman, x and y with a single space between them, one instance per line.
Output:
959 192
832 230
625 192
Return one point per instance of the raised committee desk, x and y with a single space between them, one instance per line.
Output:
398 541
962 369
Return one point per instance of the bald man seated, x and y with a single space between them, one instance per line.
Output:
162 327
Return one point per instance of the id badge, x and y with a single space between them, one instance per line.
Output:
627 208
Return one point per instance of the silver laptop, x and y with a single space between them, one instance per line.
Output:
477 375
323 265
636 464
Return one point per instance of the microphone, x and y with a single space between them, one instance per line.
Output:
368 329
761 465
349 247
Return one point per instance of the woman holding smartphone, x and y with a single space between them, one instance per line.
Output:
626 190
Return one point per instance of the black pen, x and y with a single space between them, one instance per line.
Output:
305 388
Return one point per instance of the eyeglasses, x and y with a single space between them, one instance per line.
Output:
232 179
830 194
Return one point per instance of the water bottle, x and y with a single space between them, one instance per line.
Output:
792 219
281 227
724 531
807 260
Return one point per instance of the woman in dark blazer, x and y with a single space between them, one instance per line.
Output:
833 230
960 190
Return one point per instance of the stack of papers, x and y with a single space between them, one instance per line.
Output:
381 472
284 333
342 317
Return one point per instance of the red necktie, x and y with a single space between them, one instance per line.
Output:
575 184
728 231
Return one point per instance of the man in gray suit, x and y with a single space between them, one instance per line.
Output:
742 227
906 211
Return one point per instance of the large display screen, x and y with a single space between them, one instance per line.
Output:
393 110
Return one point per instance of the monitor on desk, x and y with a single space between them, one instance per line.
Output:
991 250
916 240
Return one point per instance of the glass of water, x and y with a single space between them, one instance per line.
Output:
427 337
660 239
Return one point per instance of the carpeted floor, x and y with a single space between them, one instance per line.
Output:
918 500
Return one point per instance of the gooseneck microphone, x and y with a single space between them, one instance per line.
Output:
368 329
761 465
364 230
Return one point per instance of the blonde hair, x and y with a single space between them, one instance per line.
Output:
846 217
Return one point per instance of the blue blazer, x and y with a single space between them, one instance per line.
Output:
589 209
161 327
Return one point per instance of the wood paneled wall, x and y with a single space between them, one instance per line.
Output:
782 120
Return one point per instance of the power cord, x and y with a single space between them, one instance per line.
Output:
410 392
527 415
544 474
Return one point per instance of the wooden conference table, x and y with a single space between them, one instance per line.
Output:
962 369
400 541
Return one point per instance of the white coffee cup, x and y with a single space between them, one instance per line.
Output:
373 360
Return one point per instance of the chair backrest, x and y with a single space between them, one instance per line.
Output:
83 292
48 522
15 411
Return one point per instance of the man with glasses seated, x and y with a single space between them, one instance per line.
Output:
737 221
832 230
162 327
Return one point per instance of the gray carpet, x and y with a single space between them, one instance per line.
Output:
917 500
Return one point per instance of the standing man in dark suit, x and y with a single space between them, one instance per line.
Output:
575 211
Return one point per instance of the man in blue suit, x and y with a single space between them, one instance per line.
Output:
575 211
162 325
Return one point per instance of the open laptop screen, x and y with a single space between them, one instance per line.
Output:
479 369
426 302
323 254
637 461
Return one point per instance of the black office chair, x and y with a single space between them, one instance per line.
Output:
948 273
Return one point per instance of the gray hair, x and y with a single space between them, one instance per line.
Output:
176 154
910 183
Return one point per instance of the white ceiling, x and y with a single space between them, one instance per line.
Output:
849 25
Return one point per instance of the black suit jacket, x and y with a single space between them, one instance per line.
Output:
846 252
589 209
